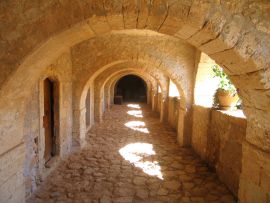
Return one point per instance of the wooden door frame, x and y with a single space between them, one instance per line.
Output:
56 86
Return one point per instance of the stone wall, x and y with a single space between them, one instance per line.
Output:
34 165
201 124
23 166
218 138
31 138
11 176
173 105
234 33
255 166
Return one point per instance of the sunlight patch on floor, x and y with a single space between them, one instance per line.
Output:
135 113
138 126
134 106
135 153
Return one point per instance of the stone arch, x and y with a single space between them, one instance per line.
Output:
182 139
204 80
153 96
110 85
145 76
79 94
113 81
179 69
106 75
213 27
79 116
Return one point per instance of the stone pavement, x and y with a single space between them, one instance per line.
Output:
132 157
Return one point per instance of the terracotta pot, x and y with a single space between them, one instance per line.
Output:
226 99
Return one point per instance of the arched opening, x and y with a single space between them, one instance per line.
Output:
231 39
173 90
210 78
109 85
173 105
225 129
132 89
51 117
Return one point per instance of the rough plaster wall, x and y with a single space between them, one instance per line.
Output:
31 139
218 138
11 177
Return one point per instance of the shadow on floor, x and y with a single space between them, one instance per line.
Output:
132 157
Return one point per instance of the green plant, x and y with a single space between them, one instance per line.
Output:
224 81
225 86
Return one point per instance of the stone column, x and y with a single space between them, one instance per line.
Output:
181 124
165 102
98 103
254 183
149 95
154 98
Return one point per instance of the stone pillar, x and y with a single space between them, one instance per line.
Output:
154 99
255 177
82 125
165 102
112 92
98 104
181 124
164 108
108 98
149 95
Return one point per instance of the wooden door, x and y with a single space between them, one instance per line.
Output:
56 122
48 119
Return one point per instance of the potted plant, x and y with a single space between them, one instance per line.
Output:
226 95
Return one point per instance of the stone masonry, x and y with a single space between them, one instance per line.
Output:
86 46
139 163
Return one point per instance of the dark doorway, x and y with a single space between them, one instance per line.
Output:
51 117
132 89
87 109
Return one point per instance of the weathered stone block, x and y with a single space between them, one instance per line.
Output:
254 182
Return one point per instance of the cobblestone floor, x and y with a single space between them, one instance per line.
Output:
132 157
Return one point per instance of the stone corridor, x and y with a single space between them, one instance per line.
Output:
132 157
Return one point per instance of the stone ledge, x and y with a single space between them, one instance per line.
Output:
233 113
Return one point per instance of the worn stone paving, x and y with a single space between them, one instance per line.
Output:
132 157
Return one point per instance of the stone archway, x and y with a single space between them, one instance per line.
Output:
98 92
211 27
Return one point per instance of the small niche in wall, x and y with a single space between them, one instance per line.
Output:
36 140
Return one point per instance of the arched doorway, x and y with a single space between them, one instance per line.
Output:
51 117
132 89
